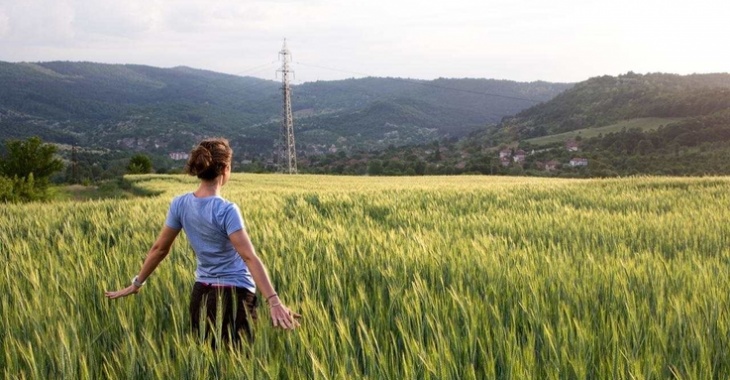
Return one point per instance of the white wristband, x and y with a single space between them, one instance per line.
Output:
136 282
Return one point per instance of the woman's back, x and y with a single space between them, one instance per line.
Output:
207 222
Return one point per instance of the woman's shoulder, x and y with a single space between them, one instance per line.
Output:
181 198
225 204
224 207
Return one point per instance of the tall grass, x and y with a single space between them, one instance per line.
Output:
397 278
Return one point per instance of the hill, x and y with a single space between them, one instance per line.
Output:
160 110
606 100
658 124
631 124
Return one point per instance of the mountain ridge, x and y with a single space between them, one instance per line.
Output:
166 109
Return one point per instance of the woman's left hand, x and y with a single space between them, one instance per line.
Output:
282 317
129 290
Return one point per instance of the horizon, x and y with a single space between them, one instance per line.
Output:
525 41
364 77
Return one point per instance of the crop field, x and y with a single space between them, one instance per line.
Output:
396 278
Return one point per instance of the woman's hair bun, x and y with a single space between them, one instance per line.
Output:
209 159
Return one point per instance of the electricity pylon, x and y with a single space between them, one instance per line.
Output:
287 151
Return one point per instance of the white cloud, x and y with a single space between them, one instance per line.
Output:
39 21
562 40
122 19
4 23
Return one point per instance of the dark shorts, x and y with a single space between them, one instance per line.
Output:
234 307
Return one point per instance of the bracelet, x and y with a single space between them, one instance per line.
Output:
136 282
270 297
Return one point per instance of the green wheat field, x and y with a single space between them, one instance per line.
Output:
396 278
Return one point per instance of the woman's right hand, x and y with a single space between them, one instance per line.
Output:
129 290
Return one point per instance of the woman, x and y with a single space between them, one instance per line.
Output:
228 268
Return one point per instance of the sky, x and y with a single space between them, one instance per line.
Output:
521 40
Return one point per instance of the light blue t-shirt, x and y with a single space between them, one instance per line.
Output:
207 223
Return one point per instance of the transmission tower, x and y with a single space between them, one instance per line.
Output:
287 152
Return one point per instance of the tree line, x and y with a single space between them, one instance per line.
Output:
28 168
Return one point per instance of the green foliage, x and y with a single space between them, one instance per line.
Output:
139 164
375 167
22 189
25 169
30 156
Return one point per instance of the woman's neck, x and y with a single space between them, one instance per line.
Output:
209 188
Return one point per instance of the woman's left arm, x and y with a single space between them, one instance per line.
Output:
281 316
156 254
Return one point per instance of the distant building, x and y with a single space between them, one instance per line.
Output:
571 146
520 156
505 153
551 165
177 156
579 162
505 161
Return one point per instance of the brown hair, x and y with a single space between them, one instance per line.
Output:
209 159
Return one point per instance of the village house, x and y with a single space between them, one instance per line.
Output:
551 165
520 156
571 146
177 156
579 162
505 153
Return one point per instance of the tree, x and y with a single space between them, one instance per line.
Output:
139 164
375 167
645 147
25 168
419 167
30 156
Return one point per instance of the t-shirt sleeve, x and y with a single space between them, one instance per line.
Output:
173 216
233 221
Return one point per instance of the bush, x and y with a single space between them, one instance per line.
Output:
6 189
21 189
139 164
25 170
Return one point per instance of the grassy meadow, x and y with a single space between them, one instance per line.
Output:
463 277
644 124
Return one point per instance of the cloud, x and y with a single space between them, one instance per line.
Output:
511 39
38 21
4 23
121 19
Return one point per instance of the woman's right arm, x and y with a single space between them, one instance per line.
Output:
155 255
281 316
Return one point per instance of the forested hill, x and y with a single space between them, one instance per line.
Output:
660 124
606 100
127 106
160 110
653 124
